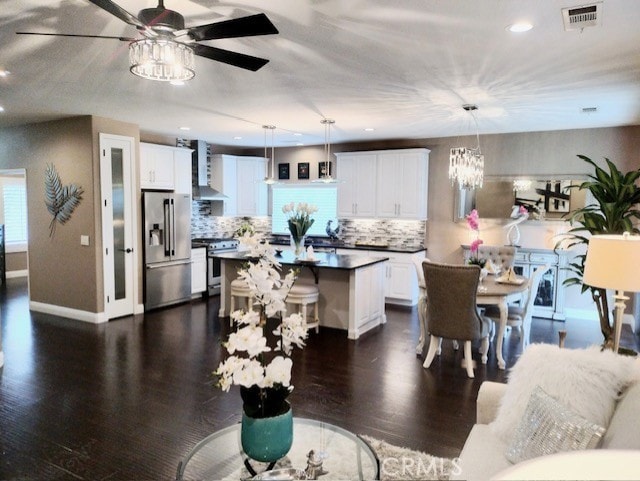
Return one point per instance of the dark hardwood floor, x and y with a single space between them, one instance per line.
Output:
126 400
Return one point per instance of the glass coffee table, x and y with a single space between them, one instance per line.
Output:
344 455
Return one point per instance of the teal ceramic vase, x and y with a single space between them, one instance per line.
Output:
267 439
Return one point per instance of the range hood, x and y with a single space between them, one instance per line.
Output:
201 188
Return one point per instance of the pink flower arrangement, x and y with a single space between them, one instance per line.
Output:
473 221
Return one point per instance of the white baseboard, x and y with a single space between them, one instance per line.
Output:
21 273
92 317
1 358
138 309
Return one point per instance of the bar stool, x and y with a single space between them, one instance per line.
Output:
303 295
240 289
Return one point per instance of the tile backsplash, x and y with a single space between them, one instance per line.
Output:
406 233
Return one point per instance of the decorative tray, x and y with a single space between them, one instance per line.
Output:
517 282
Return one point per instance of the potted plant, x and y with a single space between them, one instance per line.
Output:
259 358
615 211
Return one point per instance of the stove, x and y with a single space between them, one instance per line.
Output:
215 245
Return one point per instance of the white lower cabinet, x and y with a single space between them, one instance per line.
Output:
401 278
198 270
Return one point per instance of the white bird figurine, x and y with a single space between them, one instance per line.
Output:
332 233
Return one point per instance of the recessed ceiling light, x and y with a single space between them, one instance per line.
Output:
297 134
4 73
299 144
520 27
369 129
185 128
1 108
237 137
177 82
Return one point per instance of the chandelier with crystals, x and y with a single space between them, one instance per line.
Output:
161 59
466 165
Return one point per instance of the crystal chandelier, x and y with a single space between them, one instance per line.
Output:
466 165
161 59
326 177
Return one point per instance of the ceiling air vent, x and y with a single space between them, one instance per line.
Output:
583 16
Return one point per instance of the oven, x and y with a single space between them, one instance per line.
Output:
216 246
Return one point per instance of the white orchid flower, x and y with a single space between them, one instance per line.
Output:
278 371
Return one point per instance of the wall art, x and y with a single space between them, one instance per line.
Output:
60 200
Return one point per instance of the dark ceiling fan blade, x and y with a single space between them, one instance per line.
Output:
122 39
238 27
119 12
232 58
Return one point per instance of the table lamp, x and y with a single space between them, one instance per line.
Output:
613 262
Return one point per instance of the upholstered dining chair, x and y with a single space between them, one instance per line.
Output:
520 316
451 309
422 304
502 257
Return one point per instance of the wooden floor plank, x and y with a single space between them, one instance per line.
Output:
129 398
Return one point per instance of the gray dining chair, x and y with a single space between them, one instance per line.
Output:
452 312
502 257
520 316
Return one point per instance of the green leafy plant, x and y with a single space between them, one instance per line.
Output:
60 200
615 211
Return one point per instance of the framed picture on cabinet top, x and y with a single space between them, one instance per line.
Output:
283 171
324 169
303 170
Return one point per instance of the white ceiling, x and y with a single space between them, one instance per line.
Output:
402 67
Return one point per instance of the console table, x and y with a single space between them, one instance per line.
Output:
219 456
549 301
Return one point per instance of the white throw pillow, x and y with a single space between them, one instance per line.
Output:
587 381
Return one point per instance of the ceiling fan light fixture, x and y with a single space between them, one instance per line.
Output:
161 59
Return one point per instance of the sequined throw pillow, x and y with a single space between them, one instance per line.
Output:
550 427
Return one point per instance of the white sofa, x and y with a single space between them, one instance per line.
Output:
483 454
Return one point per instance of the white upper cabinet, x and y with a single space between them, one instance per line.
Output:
383 183
182 168
402 184
252 191
356 172
240 179
156 166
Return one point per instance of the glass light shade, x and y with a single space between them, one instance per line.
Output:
161 59
612 262
466 167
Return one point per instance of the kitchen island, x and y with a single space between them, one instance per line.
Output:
351 287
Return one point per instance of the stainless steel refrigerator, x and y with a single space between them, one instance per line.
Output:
167 248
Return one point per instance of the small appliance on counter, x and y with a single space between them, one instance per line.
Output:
167 248
215 245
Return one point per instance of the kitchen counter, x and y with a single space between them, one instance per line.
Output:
322 260
326 243
352 288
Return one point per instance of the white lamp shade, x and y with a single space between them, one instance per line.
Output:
613 262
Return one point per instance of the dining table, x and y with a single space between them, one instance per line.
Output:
493 291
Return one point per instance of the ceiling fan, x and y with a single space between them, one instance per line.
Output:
162 24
